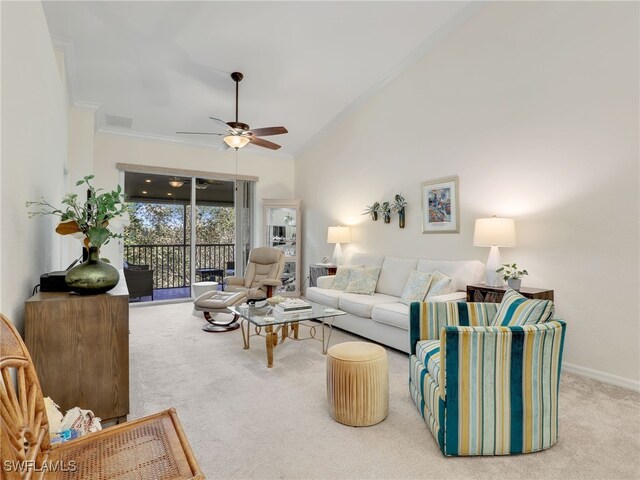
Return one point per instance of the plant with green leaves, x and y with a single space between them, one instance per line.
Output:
399 203
386 211
89 220
372 210
511 271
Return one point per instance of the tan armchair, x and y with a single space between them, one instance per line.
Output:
263 273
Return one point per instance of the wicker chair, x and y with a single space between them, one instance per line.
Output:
153 447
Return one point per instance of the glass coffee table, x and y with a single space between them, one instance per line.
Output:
276 330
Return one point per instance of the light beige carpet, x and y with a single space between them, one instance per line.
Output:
247 421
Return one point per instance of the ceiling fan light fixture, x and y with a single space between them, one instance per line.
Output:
175 183
236 141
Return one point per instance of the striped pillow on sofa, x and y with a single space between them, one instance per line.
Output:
516 309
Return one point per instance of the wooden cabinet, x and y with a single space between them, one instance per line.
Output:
320 270
484 293
282 222
80 347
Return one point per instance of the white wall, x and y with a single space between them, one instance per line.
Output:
34 148
275 174
535 107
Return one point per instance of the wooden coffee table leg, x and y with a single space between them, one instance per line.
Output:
270 338
296 327
245 334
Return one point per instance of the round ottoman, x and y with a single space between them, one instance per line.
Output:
358 383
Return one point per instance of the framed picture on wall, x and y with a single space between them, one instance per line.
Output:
440 206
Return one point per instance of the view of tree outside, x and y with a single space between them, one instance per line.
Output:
159 236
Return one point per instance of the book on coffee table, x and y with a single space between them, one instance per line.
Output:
292 305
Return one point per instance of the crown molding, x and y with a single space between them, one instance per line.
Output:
465 14
86 106
157 138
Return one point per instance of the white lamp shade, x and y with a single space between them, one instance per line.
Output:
339 235
236 141
494 232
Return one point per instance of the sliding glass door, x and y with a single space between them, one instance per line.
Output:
177 219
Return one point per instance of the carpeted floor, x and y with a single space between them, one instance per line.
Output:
247 421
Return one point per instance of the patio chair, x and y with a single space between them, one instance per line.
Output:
262 274
150 448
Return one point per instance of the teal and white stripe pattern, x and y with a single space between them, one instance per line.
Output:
496 392
516 309
432 316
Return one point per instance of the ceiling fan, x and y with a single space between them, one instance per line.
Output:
239 134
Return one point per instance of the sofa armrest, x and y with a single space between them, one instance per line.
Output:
426 319
325 281
449 297
515 370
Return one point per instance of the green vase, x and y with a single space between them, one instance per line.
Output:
93 276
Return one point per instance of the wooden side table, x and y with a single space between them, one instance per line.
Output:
484 293
319 270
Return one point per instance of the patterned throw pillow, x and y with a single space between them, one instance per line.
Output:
517 310
343 274
416 287
363 280
440 284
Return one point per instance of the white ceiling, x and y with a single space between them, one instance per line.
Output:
166 65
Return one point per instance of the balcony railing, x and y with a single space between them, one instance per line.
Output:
171 264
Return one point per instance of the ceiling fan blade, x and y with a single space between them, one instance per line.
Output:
224 125
264 143
265 132
223 146
202 133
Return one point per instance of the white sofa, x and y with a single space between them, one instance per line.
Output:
381 317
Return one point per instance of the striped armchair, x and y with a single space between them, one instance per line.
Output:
481 389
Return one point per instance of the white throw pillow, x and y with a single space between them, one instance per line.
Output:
343 274
440 284
363 280
416 287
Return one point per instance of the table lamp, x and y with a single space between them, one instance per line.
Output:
494 232
338 235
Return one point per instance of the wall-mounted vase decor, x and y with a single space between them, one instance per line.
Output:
399 206
372 210
386 212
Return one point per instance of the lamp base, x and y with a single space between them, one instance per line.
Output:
491 278
337 255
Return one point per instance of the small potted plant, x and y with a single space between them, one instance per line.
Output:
372 210
399 206
512 274
386 212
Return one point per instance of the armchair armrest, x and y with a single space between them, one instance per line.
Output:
511 370
234 280
426 319
270 283
325 281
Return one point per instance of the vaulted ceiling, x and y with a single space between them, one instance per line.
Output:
153 68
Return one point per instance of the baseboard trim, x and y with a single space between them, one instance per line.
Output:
602 376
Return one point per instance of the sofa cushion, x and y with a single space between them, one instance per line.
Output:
343 274
394 274
516 309
428 352
440 285
395 314
363 280
325 296
366 259
361 305
464 272
416 287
